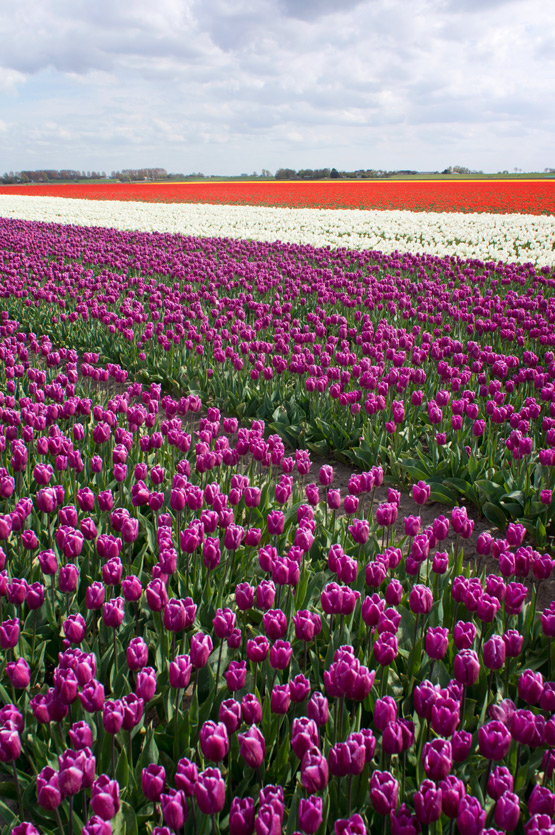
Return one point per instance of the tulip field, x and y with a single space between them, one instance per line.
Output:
529 197
203 628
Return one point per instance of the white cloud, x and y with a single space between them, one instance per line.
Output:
9 80
229 85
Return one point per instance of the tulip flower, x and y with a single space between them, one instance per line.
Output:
174 808
252 746
384 792
310 814
210 791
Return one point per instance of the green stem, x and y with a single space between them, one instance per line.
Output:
18 789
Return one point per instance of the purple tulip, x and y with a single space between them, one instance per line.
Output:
244 596
275 522
420 599
235 675
466 667
541 801
95 595
174 808
464 634
200 649
133 709
113 612
268 821
92 696
314 771
74 628
80 735
421 492
385 649
384 792
427 802
251 709
137 654
131 588
507 811
112 716
499 781
299 687
280 655
437 641
304 736
105 797
214 740
494 740
71 774
265 594
317 708
437 758
153 780
252 746
445 716
471 817
186 776
530 686
19 673
350 826
308 625
393 738
145 684
257 649
452 792
527 728
49 795
273 796
310 814
210 791
494 652
539 825
224 623
403 822
241 816
180 672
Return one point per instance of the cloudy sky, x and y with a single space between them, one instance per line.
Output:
232 86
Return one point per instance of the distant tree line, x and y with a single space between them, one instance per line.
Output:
69 175
361 173
128 174
334 174
460 169
50 175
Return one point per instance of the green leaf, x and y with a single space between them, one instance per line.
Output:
148 755
516 496
490 489
512 508
11 818
494 514
441 493
319 448
540 531
8 789
465 488
122 768
414 469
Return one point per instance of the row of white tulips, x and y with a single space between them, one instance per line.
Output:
496 237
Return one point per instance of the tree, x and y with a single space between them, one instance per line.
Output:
286 174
